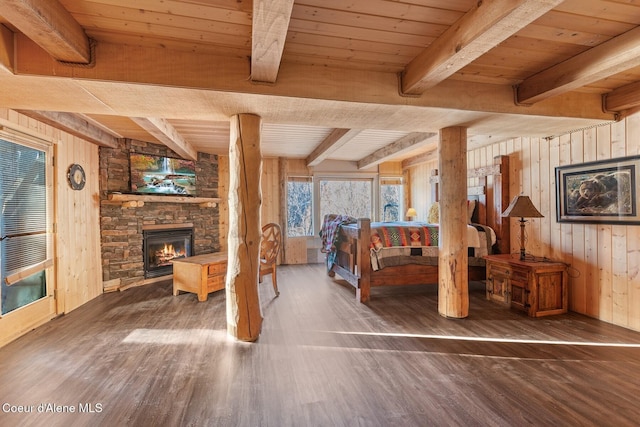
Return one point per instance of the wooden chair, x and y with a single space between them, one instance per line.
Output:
269 249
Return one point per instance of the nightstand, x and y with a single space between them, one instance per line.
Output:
539 288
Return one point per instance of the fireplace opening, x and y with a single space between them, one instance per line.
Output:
160 247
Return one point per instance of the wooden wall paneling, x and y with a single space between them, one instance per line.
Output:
605 261
566 229
530 229
633 233
486 158
422 200
504 148
515 188
79 258
420 197
282 206
74 224
406 187
298 167
270 191
620 280
471 158
555 231
588 276
577 289
547 202
223 193
552 223
390 169
64 221
415 186
296 251
536 195
83 222
619 290
95 250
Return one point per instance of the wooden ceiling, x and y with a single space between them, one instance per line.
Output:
360 80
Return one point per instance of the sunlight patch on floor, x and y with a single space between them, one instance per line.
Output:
489 339
176 336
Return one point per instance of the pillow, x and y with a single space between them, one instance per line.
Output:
434 214
471 207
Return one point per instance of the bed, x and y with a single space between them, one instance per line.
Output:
353 246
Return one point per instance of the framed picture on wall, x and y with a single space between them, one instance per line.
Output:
599 192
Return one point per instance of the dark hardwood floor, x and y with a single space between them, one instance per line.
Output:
143 357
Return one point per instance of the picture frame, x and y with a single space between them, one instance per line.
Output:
599 192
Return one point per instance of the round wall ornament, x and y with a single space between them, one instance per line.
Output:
76 177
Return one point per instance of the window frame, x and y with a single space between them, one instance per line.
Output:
47 265
401 205
375 192
313 204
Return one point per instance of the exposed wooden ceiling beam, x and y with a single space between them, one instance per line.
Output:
164 132
404 144
480 29
425 157
6 48
611 57
336 139
269 32
165 68
75 125
48 23
623 98
99 125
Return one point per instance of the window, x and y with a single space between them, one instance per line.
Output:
299 207
352 197
391 199
23 224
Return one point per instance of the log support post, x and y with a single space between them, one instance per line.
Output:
244 315
453 272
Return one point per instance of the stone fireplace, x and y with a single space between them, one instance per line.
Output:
162 245
123 224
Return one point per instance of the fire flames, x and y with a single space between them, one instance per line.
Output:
167 253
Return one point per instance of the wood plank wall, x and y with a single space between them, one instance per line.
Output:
270 191
604 259
79 257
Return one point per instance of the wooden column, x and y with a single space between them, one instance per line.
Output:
282 220
244 316
453 273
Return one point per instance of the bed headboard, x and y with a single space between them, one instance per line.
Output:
491 190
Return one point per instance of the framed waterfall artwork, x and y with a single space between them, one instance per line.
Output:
603 192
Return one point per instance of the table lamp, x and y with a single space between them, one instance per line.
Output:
411 214
522 207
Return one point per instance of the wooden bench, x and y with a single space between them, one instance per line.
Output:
200 274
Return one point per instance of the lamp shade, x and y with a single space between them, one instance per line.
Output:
522 207
411 212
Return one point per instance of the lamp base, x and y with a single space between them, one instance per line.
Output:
522 253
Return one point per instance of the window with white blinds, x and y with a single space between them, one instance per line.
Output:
23 224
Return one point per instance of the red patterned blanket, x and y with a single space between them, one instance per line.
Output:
384 235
